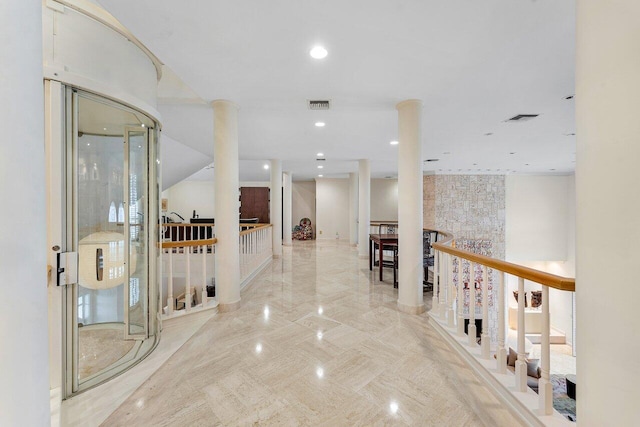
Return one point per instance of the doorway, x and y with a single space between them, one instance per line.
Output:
111 223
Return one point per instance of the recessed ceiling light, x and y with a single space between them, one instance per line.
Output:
318 52
394 143
104 128
320 154
143 125
266 166
320 175
320 124
320 166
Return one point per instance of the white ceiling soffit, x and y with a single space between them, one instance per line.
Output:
474 64
179 161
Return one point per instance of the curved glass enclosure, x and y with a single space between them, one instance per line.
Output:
112 211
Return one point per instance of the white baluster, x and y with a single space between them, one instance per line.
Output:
486 349
443 289
204 296
502 351
436 281
545 388
471 329
170 301
451 296
187 285
521 364
460 306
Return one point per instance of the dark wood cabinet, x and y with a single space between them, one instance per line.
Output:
254 203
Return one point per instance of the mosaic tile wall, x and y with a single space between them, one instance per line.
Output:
472 207
429 201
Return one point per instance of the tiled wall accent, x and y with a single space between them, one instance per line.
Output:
472 207
429 201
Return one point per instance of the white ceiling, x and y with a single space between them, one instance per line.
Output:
473 63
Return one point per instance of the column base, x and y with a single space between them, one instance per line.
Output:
228 307
410 309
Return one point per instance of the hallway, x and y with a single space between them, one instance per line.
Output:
317 341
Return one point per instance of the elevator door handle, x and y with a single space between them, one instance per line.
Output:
99 264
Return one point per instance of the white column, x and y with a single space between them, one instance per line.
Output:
225 155
287 180
410 255
353 208
276 206
364 206
24 357
608 149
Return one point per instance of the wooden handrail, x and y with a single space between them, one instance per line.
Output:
546 279
253 227
186 243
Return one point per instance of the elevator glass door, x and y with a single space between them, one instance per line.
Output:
108 309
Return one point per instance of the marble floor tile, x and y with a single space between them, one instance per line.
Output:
317 340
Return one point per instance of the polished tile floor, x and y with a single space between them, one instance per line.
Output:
317 341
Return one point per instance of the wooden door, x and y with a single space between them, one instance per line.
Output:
254 203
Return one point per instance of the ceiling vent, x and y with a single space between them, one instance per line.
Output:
522 117
319 104
321 159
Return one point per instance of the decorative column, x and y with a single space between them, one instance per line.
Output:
287 180
608 148
410 195
24 358
364 207
276 206
353 209
226 184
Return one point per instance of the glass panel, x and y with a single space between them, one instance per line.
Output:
137 203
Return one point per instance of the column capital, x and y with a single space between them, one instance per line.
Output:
408 102
224 102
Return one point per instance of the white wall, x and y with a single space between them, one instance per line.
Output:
540 233
332 208
186 196
24 357
537 217
303 196
384 200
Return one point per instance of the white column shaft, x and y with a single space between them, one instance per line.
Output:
24 358
225 154
287 180
364 206
410 270
608 149
353 208
276 206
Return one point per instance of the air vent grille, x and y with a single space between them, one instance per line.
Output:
522 117
319 104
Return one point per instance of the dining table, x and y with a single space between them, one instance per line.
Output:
380 240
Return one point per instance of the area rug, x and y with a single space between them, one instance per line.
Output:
561 402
